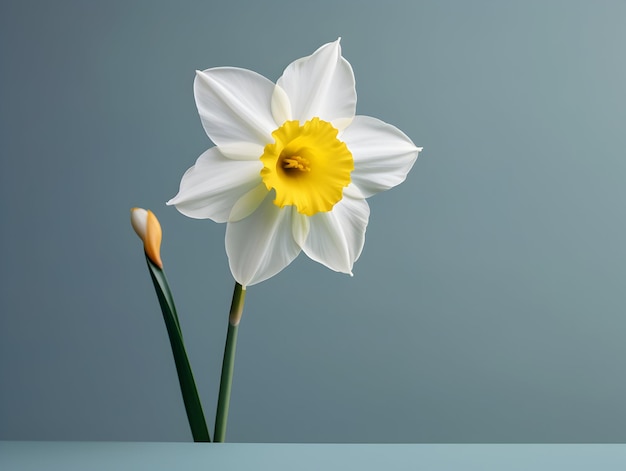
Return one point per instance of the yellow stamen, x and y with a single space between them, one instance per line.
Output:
296 162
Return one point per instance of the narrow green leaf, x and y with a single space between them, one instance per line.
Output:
163 291
193 406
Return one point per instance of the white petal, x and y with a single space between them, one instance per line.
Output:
235 105
214 184
383 155
248 203
336 238
321 85
139 221
281 107
242 150
300 227
262 244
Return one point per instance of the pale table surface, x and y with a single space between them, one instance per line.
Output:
69 456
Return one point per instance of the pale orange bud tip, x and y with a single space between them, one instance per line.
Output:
148 229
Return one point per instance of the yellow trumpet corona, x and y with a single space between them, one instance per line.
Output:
148 229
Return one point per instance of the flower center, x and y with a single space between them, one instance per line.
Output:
307 166
296 162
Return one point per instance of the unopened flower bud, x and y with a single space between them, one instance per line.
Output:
148 229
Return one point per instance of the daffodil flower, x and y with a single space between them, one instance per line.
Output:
292 164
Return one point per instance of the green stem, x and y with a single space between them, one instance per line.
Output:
193 406
228 365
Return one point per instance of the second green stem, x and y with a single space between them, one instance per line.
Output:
228 365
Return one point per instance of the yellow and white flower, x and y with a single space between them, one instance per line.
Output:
292 164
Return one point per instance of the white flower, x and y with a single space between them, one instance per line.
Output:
292 164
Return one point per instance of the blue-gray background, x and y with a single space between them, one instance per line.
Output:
488 304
